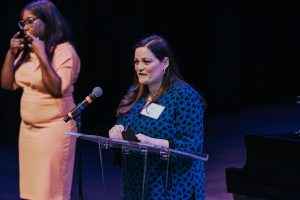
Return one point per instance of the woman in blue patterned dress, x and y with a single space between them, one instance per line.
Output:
161 109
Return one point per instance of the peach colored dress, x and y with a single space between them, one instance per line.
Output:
46 154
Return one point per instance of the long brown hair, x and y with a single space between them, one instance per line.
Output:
161 49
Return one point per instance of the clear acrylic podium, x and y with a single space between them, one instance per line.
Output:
128 147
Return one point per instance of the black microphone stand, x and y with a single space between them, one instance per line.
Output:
78 158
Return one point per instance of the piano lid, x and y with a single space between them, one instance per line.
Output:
273 159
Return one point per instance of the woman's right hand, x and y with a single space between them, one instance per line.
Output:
16 44
116 132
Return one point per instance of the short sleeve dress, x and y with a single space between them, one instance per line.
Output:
46 154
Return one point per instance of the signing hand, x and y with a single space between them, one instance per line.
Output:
116 132
16 44
36 45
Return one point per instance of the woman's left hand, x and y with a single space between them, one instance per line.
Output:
36 45
145 139
149 140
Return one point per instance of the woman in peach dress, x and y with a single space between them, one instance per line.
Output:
45 65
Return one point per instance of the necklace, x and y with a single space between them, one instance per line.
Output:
151 98
153 94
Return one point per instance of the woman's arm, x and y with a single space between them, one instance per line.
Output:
189 120
51 80
7 72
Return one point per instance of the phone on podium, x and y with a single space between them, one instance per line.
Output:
129 135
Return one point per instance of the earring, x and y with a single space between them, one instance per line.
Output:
164 70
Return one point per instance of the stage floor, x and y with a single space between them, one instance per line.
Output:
224 142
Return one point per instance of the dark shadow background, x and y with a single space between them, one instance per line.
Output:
235 54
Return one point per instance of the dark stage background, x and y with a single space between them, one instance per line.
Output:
235 54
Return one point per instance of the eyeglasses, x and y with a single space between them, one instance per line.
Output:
29 21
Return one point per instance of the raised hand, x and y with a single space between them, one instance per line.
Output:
36 45
16 44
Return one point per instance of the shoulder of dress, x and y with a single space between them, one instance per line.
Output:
182 87
182 90
63 46
65 50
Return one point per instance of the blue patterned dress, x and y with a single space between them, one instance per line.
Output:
181 122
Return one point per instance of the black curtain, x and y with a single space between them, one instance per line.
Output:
235 54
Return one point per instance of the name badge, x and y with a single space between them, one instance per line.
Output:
153 110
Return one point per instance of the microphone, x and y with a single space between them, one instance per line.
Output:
97 92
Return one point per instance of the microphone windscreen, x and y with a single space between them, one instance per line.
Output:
97 91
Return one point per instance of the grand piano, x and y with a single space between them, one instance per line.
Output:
271 170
